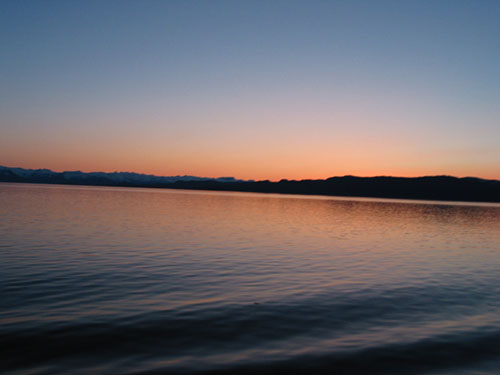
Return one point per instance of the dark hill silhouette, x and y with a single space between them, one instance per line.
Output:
446 188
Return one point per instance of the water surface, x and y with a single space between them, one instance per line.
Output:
106 280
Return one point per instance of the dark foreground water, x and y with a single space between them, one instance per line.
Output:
145 281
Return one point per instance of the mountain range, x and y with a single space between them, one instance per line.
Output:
446 188
95 178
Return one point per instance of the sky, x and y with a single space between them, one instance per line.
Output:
252 89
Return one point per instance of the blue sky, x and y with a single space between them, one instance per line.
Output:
261 89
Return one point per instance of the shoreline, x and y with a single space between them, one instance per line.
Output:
268 188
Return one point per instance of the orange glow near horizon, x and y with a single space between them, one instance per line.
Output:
258 154
294 138
257 167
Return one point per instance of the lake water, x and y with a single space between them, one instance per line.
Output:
100 280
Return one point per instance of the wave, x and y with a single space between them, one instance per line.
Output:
406 331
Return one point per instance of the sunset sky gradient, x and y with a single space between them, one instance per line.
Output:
252 89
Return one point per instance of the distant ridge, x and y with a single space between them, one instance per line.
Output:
446 188
95 178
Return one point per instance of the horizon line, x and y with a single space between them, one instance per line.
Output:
255 180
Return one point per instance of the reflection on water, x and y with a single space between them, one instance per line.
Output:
119 280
